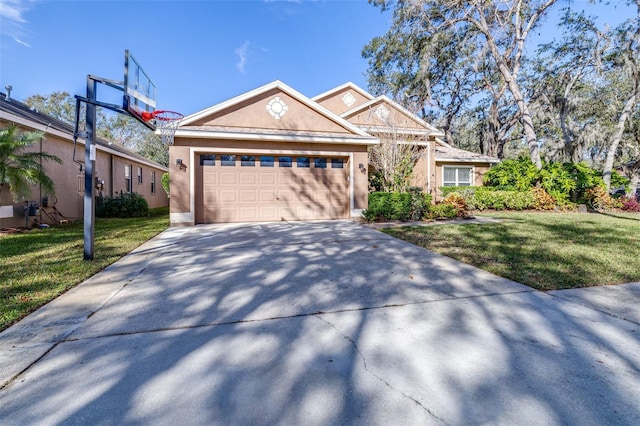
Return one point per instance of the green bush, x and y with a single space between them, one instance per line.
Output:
125 204
443 211
166 183
397 206
484 198
520 175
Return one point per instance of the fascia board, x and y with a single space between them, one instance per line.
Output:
209 134
349 85
467 160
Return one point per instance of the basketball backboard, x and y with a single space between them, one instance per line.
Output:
139 91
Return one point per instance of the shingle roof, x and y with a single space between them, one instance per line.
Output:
445 152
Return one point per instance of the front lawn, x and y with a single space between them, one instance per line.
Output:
545 251
39 265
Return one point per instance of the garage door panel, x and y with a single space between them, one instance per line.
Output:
228 195
267 179
248 195
228 178
267 195
248 179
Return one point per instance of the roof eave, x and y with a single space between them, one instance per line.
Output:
249 136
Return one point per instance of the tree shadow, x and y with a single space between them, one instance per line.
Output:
327 323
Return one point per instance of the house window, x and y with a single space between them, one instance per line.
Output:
337 163
207 160
304 162
127 178
266 161
139 175
284 161
457 176
153 181
228 160
247 161
320 163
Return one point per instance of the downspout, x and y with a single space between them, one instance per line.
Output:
40 185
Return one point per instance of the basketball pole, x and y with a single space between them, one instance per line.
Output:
89 163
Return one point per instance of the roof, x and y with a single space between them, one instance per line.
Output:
194 124
21 110
446 152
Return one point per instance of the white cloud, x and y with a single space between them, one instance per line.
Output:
24 43
13 13
242 53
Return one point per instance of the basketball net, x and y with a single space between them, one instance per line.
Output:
167 122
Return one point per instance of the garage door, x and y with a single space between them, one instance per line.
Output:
260 188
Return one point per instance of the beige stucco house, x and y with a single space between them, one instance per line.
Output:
116 169
274 154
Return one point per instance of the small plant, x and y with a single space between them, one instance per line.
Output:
457 201
125 204
631 205
600 199
544 201
397 206
443 211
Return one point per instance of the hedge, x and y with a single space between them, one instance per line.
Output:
397 206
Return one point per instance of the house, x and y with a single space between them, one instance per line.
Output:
274 154
116 169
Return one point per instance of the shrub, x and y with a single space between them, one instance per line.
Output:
125 204
443 211
483 198
166 183
543 201
397 206
520 174
599 199
457 201
631 205
556 179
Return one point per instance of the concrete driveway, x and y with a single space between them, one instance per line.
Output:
318 323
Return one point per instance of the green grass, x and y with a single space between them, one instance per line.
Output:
39 265
545 251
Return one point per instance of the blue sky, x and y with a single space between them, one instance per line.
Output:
198 53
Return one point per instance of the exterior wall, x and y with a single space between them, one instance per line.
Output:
335 102
479 169
68 179
183 191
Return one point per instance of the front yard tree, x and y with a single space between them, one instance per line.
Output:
20 167
625 59
499 29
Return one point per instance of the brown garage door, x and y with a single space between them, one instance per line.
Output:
260 188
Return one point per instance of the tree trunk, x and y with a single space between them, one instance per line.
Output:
615 141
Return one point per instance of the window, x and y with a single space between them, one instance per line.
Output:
127 178
304 162
228 160
457 176
266 161
153 181
320 163
337 163
247 160
207 160
139 175
284 161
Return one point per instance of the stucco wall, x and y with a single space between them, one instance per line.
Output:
68 179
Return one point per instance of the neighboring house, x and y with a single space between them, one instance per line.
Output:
117 169
273 154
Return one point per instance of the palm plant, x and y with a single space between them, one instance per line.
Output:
21 168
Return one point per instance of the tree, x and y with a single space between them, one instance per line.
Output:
490 29
392 161
116 128
626 58
21 168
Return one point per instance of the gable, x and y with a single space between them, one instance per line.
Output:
381 114
274 108
343 98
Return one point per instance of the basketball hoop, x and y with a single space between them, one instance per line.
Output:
166 121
